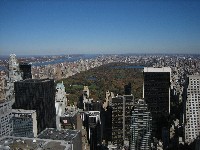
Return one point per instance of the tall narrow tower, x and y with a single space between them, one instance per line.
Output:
156 93
140 127
192 109
13 76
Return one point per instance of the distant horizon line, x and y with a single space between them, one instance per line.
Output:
6 55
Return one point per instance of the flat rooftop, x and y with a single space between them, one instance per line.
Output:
153 69
70 113
23 111
54 134
10 142
35 80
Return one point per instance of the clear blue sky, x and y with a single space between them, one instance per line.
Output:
99 26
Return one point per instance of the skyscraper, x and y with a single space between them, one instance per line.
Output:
24 123
13 76
140 127
121 119
60 102
6 126
192 109
156 93
25 70
39 95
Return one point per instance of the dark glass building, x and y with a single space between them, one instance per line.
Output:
39 95
156 93
121 119
26 70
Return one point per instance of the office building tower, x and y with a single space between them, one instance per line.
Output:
60 102
2 85
121 119
127 89
192 109
25 69
140 127
24 123
92 122
6 127
13 76
39 95
156 93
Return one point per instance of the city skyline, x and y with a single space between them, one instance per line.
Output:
99 27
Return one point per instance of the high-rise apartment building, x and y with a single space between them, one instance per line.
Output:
121 119
39 95
60 102
14 75
24 123
192 109
6 126
140 127
156 93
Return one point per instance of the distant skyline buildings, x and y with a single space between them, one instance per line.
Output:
99 27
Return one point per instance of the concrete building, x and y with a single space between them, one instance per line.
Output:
140 127
156 93
60 103
2 85
13 76
39 95
192 109
6 126
92 122
72 137
121 119
24 123
24 143
71 119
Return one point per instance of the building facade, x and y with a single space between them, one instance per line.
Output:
6 126
140 127
25 70
60 103
14 75
39 95
192 109
156 93
121 119
24 123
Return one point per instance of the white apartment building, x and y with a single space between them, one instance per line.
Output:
6 126
192 109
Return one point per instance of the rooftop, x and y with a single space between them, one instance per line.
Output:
23 111
10 142
54 134
35 80
153 69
